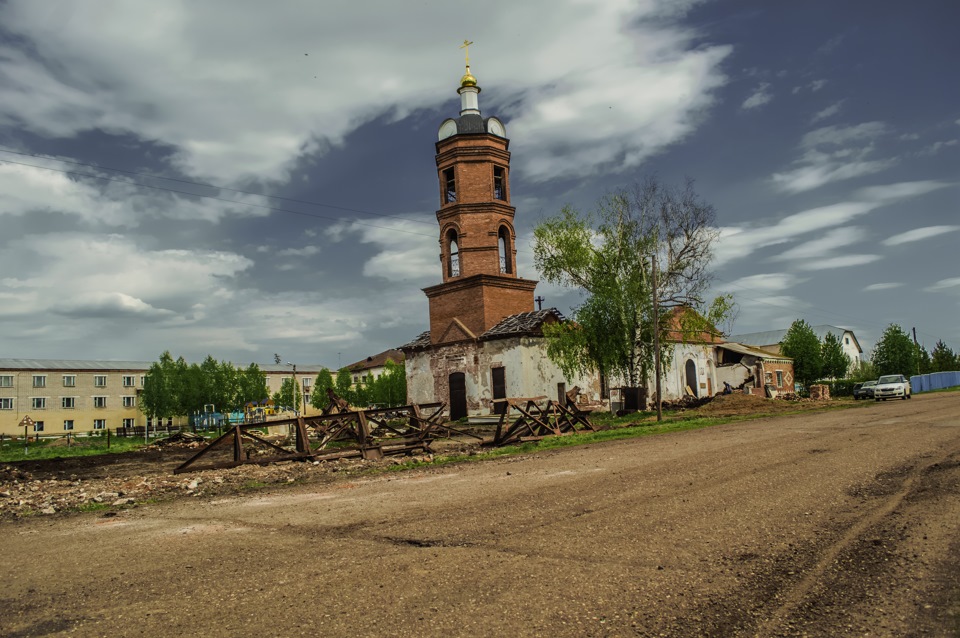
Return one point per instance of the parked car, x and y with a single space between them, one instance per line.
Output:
891 386
864 390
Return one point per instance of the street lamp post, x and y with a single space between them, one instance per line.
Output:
296 397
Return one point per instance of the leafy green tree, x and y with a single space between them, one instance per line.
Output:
943 359
835 360
158 399
608 254
318 398
343 383
924 363
253 385
390 388
289 395
801 344
895 352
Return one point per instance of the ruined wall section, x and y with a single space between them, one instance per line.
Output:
528 372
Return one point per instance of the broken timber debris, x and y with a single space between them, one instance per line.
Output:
537 420
337 433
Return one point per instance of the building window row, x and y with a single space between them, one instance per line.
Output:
70 380
69 424
66 403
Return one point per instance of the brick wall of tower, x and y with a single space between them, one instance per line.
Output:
478 302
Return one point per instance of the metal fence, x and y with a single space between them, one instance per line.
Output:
934 381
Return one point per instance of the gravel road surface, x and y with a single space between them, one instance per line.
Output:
842 523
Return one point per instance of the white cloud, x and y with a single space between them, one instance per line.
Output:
834 153
407 252
25 190
306 251
251 111
86 266
815 175
766 282
760 96
816 85
822 246
944 284
845 261
918 234
840 135
936 147
738 242
882 286
829 111
889 193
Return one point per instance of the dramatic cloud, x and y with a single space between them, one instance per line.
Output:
918 234
758 98
250 112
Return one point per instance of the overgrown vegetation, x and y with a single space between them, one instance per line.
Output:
387 390
177 389
56 448
610 255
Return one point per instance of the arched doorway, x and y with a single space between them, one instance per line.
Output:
458 396
691 368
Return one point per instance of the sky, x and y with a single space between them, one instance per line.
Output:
241 179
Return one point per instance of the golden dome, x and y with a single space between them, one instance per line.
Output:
468 79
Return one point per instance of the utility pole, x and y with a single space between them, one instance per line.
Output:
656 337
917 346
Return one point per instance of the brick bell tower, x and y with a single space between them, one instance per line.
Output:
477 240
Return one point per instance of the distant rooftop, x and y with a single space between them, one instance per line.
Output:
126 366
773 337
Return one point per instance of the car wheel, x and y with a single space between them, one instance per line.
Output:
878 400
910 396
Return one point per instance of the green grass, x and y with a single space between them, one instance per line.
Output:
82 446
623 427
92 507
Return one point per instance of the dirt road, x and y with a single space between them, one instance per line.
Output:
827 524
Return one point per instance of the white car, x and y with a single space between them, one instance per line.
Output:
892 386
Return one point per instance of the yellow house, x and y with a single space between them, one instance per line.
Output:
62 396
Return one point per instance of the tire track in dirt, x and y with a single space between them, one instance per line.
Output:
852 541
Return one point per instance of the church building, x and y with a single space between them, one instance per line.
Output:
485 340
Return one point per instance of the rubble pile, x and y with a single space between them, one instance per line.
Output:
686 402
21 494
181 439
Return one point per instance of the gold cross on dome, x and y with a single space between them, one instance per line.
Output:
466 50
